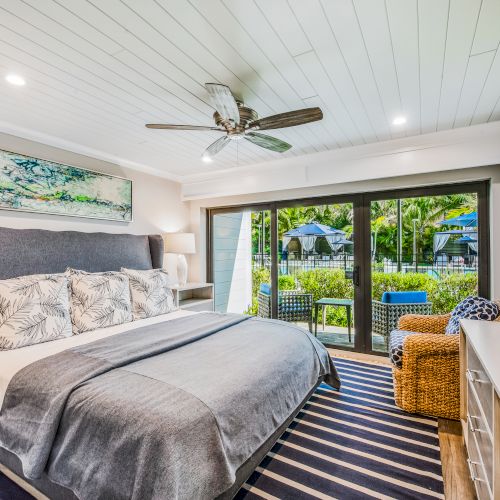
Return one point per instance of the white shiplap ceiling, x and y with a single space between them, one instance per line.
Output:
98 70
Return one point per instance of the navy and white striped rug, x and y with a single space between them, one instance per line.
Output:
352 444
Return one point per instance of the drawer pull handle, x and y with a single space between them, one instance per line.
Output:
470 376
472 473
471 425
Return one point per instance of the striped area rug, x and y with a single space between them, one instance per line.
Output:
352 444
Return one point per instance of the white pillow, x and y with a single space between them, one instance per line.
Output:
33 309
150 292
98 300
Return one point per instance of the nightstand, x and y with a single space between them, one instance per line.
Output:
194 296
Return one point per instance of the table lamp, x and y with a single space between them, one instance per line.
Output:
182 244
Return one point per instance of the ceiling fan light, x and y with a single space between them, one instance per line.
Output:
14 79
399 120
206 158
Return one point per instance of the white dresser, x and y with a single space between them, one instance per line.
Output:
480 403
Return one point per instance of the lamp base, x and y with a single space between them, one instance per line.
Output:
182 269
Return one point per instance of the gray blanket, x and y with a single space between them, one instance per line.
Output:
170 410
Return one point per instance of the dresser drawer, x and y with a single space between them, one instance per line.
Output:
476 469
483 387
477 426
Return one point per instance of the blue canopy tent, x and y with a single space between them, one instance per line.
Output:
308 233
464 220
442 237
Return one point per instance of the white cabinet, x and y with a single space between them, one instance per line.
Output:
480 403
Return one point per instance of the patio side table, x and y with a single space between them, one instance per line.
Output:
324 303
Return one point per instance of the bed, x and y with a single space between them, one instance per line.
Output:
183 405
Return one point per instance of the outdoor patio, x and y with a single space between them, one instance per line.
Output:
338 336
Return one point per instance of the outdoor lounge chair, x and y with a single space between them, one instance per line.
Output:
293 305
386 312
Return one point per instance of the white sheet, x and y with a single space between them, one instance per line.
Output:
13 361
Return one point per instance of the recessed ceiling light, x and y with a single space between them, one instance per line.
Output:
206 158
14 79
399 120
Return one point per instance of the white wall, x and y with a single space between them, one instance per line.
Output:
233 262
198 212
157 205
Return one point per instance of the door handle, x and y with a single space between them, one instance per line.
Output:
355 276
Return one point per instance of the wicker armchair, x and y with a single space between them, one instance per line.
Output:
292 306
429 381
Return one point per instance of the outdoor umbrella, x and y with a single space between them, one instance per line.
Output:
309 232
465 220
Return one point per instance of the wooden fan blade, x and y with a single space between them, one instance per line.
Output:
290 119
165 126
268 142
216 146
223 101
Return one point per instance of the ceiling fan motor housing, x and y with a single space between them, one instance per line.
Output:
246 115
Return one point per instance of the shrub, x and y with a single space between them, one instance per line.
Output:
328 283
450 290
400 282
444 292
286 282
263 275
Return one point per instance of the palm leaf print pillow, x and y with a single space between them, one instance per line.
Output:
98 300
150 292
33 309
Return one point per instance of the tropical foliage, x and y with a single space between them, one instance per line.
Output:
426 211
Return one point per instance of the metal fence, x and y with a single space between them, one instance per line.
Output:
441 264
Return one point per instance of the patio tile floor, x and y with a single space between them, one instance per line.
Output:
336 335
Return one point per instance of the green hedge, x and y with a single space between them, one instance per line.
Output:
263 275
444 293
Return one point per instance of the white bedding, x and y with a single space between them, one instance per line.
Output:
13 361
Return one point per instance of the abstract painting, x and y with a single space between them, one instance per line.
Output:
35 185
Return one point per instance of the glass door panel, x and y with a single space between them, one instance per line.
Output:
315 270
427 247
240 260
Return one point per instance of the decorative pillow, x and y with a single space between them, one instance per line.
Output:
33 309
472 308
150 292
98 300
396 341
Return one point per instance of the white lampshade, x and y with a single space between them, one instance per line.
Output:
181 243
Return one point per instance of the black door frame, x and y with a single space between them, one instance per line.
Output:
362 242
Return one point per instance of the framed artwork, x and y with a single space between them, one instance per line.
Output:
35 185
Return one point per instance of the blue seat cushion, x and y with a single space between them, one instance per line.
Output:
396 341
417 297
265 288
471 308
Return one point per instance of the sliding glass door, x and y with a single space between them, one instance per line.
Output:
332 264
427 249
316 269
240 259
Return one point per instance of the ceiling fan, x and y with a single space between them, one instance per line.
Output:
238 121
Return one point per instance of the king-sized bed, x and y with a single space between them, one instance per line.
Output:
180 405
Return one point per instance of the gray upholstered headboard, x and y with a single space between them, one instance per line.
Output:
34 251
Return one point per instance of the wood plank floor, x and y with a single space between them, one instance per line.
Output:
457 482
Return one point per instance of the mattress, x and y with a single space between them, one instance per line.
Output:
14 360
